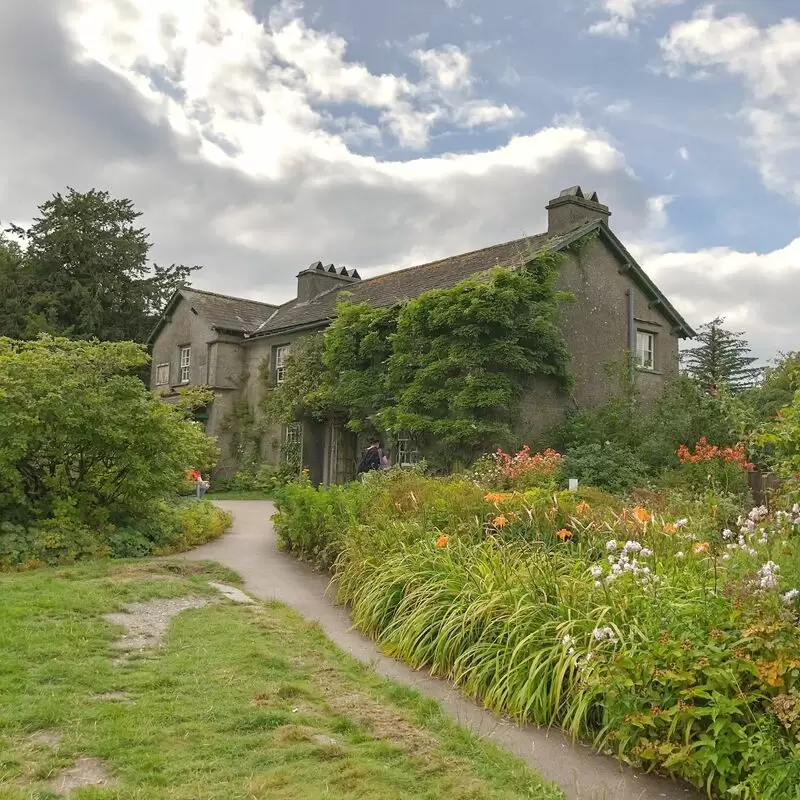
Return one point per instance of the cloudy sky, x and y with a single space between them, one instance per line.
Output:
260 136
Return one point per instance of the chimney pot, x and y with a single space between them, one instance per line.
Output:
572 209
316 279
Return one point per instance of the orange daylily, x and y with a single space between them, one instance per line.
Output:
494 497
442 541
701 547
641 514
564 534
500 522
670 528
582 507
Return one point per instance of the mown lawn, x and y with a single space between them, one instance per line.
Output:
238 702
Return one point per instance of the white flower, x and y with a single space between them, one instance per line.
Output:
768 576
612 560
646 552
681 522
680 554
571 651
611 545
726 557
567 640
598 584
596 571
605 633
790 596
727 534
632 547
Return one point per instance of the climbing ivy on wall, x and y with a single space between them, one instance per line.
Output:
449 367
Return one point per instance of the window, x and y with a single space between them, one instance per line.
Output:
294 434
280 363
162 374
292 450
186 362
406 453
645 350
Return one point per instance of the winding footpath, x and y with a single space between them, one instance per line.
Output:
250 548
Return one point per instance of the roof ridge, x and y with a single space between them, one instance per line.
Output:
226 296
427 264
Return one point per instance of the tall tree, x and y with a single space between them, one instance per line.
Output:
12 292
722 358
85 272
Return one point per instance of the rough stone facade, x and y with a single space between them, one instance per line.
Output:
233 350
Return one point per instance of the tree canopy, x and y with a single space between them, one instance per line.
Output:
83 272
722 358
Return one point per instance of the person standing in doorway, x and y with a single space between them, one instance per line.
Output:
372 458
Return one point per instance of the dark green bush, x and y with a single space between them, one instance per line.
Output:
165 528
605 466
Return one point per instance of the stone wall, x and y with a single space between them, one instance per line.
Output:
595 326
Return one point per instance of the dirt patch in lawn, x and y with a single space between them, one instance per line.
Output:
381 721
146 624
83 773
45 739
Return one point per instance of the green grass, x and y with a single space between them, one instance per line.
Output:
238 496
233 705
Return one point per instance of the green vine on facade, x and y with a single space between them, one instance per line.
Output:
449 368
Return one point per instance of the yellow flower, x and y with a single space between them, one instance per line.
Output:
442 541
500 522
564 534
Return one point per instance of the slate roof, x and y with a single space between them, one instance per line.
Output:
404 284
228 313
222 311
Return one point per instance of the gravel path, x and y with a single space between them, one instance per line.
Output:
250 549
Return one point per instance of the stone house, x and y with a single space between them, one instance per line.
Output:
237 346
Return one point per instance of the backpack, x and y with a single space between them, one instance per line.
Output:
370 460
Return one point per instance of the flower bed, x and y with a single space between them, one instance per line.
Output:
666 634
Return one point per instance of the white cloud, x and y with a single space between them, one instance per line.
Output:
619 107
451 4
245 79
752 290
683 153
622 14
767 63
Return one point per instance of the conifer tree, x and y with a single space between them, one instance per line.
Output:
722 357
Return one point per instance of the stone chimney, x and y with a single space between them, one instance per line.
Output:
572 208
317 279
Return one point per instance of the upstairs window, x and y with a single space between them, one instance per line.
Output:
281 354
186 363
645 350
162 374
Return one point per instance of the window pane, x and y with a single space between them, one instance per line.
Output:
645 349
186 361
280 363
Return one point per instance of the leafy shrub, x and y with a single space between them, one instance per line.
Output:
164 529
606 466
83 437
